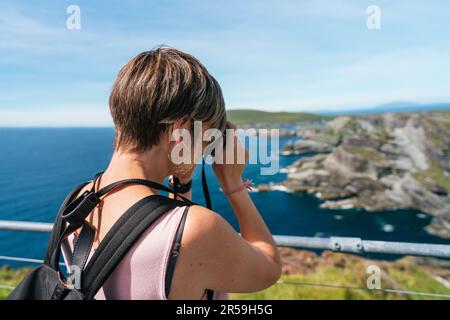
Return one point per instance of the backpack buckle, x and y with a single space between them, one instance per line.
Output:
77 211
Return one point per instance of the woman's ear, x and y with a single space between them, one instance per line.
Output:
178 129
183 123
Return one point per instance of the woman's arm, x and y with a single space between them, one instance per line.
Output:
252 226
220 259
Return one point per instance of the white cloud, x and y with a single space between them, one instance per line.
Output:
290 55
67 116
14 22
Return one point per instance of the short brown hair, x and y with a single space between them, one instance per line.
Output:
158 87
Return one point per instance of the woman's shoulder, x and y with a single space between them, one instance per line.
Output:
203 224
207 234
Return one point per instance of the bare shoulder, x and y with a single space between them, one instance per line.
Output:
211 242
200 245
204 225
214 256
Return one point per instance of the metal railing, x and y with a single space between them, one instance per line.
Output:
25 226
337 244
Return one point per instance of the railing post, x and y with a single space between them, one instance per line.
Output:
354 245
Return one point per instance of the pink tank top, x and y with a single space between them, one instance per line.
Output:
142 272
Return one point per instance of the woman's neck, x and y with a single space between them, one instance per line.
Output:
150 165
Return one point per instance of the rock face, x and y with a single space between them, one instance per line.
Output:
379 162
305 146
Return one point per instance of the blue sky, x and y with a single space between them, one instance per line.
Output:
269 55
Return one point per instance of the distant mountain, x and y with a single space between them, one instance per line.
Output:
399 106
249 116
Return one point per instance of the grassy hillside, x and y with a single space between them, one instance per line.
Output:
329 269
338 269
10 277
247 116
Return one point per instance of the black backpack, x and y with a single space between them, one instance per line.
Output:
47 282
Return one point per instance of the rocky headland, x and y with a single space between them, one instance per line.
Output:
377 162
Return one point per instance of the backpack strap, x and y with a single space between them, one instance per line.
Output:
73 212
83 245
209 294
62 228
174 253
120 238
58 226
76 211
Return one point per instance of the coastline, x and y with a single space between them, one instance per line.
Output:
377 162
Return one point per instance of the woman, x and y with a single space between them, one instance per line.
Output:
155 94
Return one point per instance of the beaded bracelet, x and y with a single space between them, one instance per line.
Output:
247 184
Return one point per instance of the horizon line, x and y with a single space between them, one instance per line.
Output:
419 107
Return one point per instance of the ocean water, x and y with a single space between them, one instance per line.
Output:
39 166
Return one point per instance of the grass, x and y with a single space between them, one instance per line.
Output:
364 153
436 175
332 269
10 277
413 278
437 127
326 275
400 275
446 113
248 116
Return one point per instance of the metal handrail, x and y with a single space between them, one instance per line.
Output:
25 226
337 244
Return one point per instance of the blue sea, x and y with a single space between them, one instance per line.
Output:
39 166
